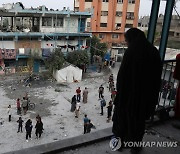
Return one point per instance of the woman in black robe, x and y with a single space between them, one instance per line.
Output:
138 85
73 103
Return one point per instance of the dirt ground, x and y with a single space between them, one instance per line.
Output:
52 103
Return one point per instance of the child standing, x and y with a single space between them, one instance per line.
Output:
89 126
9 112
20 121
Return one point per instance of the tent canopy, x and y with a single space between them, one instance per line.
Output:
69 73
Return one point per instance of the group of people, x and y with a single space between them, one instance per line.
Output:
76 99
23 105
103 101
20 106
110 63
87 124
29 126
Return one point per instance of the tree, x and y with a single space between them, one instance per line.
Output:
78 58
96 47
55 61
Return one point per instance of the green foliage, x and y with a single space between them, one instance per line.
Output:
78 58
97 48
56 61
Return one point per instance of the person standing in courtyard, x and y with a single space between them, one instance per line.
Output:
9 112
102 104
85 95
20 123
113 94
77 110
78 92
24 105
39 128
138 85
109 111
18 104
101 91
73 103
28 128
86 120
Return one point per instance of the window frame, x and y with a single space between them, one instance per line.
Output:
55 23
46 25
131 1
102 36
104 13
120 1
119 13
105 1
102 24
115 35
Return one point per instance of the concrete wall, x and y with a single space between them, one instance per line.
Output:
7 44
70 25
130 8
27 44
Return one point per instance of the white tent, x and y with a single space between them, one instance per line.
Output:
68 73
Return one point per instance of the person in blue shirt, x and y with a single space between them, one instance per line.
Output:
103 104
86 120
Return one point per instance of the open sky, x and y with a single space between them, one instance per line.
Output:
145 6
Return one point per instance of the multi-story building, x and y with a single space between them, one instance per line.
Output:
36 32
111 18
174 30
143 23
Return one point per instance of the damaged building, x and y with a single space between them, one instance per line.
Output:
36 32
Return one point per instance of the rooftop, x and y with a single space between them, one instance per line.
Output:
18 9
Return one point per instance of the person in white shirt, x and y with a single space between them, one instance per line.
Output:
9 112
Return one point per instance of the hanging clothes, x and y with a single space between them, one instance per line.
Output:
9 53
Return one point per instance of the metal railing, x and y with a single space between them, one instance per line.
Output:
167 94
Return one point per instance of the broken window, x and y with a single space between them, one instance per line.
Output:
46 21
58 22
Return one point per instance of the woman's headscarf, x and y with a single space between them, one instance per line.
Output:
134 35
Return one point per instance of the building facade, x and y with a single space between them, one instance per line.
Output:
35 32
111 18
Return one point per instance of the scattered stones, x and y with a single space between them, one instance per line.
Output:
57 90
